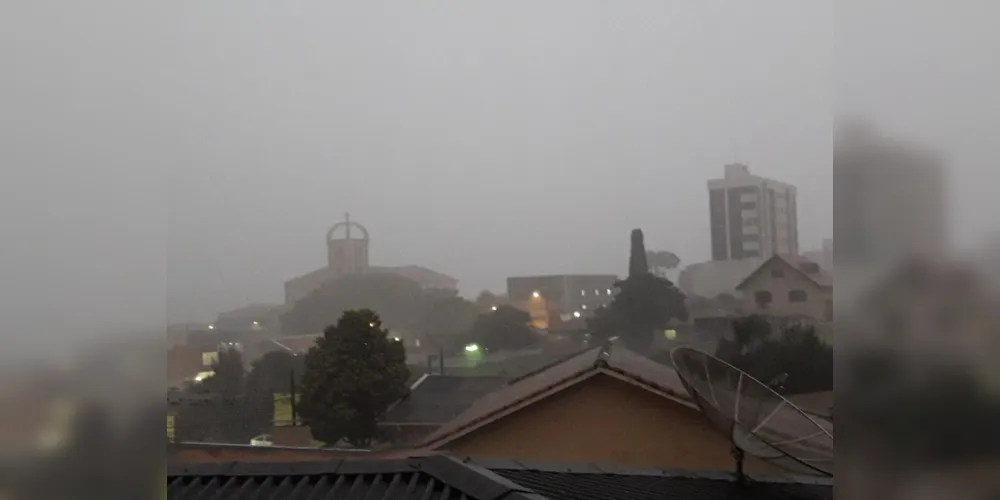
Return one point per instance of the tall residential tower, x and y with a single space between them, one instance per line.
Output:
751 216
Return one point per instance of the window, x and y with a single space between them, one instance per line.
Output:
797 296
762 297
209 358
778 273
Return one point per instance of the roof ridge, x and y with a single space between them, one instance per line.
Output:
474 480
547 366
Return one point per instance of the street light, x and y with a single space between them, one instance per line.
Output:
494 308
535 294
576 314
472 348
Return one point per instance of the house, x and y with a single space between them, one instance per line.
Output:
605 405
786 286
434 400
438 477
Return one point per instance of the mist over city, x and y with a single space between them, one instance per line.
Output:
421 233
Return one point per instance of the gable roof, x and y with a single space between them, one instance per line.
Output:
821 277
609 359
444 477
436 399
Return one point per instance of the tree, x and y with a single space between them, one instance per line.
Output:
798 354
644 305
271 374
487 299
662 260
401 300
216 409
228 374
448 316
352 375
505 328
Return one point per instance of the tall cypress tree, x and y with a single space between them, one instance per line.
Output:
637 264
645 303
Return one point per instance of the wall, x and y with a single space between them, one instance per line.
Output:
814 307
605 420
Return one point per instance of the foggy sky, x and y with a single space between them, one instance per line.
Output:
174 160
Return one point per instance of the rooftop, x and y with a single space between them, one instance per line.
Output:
437 399
445 477
608 359
804 266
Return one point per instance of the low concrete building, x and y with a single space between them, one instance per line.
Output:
549 298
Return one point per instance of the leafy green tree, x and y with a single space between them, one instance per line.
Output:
644 305
352 375
505 328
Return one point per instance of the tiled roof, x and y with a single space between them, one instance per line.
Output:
820 276
610 359
431 478
443 477
599 482
437 399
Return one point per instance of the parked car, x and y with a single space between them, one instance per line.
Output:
262 440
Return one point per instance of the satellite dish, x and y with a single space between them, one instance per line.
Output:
757 420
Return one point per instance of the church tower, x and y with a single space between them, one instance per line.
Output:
347 254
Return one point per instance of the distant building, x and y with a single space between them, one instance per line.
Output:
552 296
250 318
751 216
789 287
715 277
349 255
822 256
889 198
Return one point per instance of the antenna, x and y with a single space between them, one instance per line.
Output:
758 421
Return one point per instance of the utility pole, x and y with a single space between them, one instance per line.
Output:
292 405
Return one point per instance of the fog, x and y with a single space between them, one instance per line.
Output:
163 162
167 162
